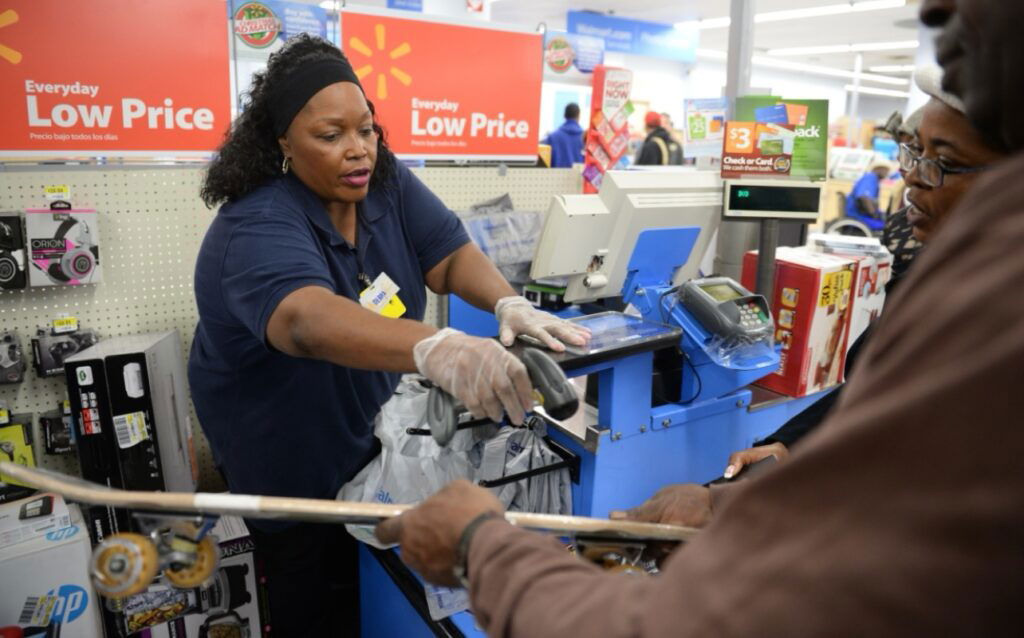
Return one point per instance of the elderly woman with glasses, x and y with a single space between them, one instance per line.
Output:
939 164
944 161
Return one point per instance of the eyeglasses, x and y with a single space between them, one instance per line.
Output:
930 171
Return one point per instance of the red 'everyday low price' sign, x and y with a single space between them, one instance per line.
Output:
448 90
108 76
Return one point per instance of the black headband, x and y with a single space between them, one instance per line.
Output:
288 98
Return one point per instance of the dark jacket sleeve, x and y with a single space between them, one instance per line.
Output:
650 154
803 423
909 494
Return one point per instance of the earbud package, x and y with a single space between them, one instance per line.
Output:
12 361
63 247
12 253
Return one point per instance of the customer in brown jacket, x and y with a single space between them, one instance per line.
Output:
903 515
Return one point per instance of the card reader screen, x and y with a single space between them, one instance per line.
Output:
722 292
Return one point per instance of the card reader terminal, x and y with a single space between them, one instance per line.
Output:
727 309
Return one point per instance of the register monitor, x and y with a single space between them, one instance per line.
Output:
590 238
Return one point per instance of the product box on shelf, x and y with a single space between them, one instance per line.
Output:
58 437
132 429
811 306
64 247
874 271
232 603
12 253
16 447
12 358
46 586
29 518
50 350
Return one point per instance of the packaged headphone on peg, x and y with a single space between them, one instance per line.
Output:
63 246
51 350
12 253
12 361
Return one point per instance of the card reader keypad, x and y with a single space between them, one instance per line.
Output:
751 315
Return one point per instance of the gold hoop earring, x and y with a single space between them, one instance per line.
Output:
286 164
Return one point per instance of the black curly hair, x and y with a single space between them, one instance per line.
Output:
250 154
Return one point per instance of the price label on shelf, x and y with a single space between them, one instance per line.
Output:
62 325
58 192
5 415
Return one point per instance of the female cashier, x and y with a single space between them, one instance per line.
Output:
291 360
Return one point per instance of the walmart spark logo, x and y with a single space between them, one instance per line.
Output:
8 18
382 78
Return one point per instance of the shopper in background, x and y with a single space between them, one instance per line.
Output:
301 335
862 202
940 163
659 147
900 517
567 140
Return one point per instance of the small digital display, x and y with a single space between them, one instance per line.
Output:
722 292
776 199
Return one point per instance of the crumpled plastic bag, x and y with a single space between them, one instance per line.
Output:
410 468
508 237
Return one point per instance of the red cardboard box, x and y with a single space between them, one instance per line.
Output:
873 273
874 270
811 308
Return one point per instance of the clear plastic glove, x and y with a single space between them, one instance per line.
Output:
517 316
481 374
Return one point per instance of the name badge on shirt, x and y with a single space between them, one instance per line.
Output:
382 297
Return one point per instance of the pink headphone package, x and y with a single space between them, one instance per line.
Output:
63 246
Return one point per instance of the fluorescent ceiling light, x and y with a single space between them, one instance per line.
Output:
846 48
893 68
327 4
828 10
870 90
713 23
773 63
824 70
810 12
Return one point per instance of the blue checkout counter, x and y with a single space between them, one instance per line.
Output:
656 423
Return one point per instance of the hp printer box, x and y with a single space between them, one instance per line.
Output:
811 306
46 586
232 603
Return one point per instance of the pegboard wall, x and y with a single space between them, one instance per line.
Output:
151 224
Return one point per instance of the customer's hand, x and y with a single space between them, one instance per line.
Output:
478 372
743 458
429 534
517 316
688 505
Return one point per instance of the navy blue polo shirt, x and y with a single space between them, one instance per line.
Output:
282 425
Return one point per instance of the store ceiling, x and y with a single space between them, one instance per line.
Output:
886 25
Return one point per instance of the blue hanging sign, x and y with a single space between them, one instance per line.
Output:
637 36
406 5
563 51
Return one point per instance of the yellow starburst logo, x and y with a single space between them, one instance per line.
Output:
7 18
403 49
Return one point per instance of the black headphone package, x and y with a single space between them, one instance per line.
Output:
12 361
57 432
51 350
12 253
63 247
